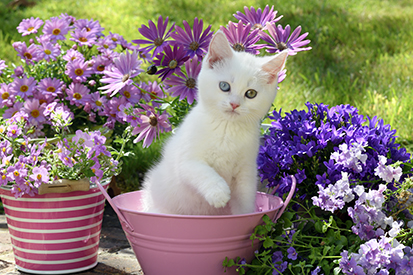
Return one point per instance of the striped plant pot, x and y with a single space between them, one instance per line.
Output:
55 233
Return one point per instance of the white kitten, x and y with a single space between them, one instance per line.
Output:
209 164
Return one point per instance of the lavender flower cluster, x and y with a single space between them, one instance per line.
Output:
28 163
351 167
96 78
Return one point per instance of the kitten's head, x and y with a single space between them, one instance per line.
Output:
238 86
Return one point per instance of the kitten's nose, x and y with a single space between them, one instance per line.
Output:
234 105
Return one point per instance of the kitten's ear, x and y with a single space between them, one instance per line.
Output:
275 65
219 49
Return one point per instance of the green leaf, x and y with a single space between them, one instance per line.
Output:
268 243
319 226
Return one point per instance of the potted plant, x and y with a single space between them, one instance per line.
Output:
352 210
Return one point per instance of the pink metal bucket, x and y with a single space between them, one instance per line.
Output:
183 244
55 233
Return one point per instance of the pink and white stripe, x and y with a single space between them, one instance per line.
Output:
55 233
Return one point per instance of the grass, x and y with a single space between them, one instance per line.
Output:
361 54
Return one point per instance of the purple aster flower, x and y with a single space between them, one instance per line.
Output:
28 54
172 59
78 70
97 101
39 175
156 35
185 86
29 26
77 94
83 139
196 42
18 71
6 96
279 39
23 87
240 38
13 110
106 43
125 68
50 86
73 54
131 93
152 124
34 111
61 116
258 19
90 26
2 66
83 37
57 28
100 64
49 51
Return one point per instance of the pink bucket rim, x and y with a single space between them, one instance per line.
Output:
194 217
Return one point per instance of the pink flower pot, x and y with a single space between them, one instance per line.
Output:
182 244
55 233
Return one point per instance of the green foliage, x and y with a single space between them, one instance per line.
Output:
317 242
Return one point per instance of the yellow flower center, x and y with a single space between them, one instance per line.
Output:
28 55
105 46
100 68
98 103
47 51
24 88
114 39
51 89
13 132
56 31
82 39
93 170
30 29
3 177
16 173
39 177
79 72
35 113
4 149
126 94
5 95
77 96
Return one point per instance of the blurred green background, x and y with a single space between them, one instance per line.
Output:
361 50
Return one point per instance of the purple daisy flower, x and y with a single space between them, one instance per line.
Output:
2 66
156 35
29 26
196 42
185 85
34 111
125 68
77 94
28 54
49 51
39 175
50 86
11 111
131 93
279 39
57 28
257 18
100 64
106 43
97 101
6 96
78 70
83 37
240 38
172 59
73 54
90 26
151 126
23 87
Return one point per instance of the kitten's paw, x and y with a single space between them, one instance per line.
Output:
219 196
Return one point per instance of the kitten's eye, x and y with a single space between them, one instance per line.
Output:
251 93
224 86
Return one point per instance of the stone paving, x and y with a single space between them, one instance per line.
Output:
115 255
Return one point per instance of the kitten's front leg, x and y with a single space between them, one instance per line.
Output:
244 192
208 182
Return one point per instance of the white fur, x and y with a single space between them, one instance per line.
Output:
209 164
